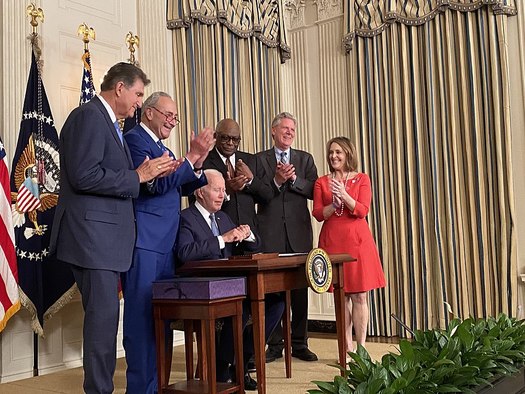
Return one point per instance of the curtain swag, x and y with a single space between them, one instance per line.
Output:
367 18
245 18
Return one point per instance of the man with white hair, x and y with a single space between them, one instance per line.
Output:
208 233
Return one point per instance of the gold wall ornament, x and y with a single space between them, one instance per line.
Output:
87 33
35 14
132 40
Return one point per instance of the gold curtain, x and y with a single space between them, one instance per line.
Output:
227 58
430 111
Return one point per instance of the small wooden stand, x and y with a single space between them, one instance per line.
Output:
203 313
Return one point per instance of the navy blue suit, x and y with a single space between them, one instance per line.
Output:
94 229
157 211
197 242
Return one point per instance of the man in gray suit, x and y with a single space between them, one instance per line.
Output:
284 222
94 226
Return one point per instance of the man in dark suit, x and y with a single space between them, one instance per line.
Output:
284 222
208 233
94 225
242 173
157 212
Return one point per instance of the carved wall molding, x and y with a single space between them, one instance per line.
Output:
294 13
327 9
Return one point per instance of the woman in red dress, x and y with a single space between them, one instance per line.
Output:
341 200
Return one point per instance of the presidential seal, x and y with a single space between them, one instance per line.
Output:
318 270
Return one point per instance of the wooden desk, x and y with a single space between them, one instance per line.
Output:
272 275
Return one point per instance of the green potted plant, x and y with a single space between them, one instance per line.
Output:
470 356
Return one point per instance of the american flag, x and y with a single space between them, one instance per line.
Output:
87 89
9 301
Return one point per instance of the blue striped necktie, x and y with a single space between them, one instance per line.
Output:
161 145
283 157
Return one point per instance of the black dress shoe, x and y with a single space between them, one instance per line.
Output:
250 367
304 354
273 354
249 383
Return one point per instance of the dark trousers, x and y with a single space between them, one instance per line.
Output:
99 291
299 324
299 321
273 310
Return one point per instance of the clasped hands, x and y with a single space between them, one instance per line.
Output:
284 173
338 192
237 234
239 179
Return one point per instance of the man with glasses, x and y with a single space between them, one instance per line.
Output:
157 212
242 173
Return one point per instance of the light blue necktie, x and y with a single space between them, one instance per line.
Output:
119 132
214 227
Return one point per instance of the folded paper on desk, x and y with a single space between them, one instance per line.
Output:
199 288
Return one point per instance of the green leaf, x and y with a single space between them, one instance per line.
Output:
447 388
326 387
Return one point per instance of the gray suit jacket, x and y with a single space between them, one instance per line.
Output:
286 218
94 225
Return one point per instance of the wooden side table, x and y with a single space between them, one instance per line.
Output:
204 313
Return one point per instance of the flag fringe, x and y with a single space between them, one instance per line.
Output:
62 301
28 304
9 314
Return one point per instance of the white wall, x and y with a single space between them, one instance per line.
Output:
62 51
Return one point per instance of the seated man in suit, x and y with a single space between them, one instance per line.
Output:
207 233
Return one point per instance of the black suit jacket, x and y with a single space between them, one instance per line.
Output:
286 217
241 206
197 242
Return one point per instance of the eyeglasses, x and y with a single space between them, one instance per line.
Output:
226 138
169 117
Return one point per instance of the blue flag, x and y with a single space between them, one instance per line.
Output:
87 89
45 284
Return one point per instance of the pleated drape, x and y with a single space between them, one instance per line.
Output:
430 111
227 58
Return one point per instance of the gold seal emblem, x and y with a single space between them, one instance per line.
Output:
318 270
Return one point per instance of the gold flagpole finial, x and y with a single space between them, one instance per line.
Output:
132 40
35 14
86 32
